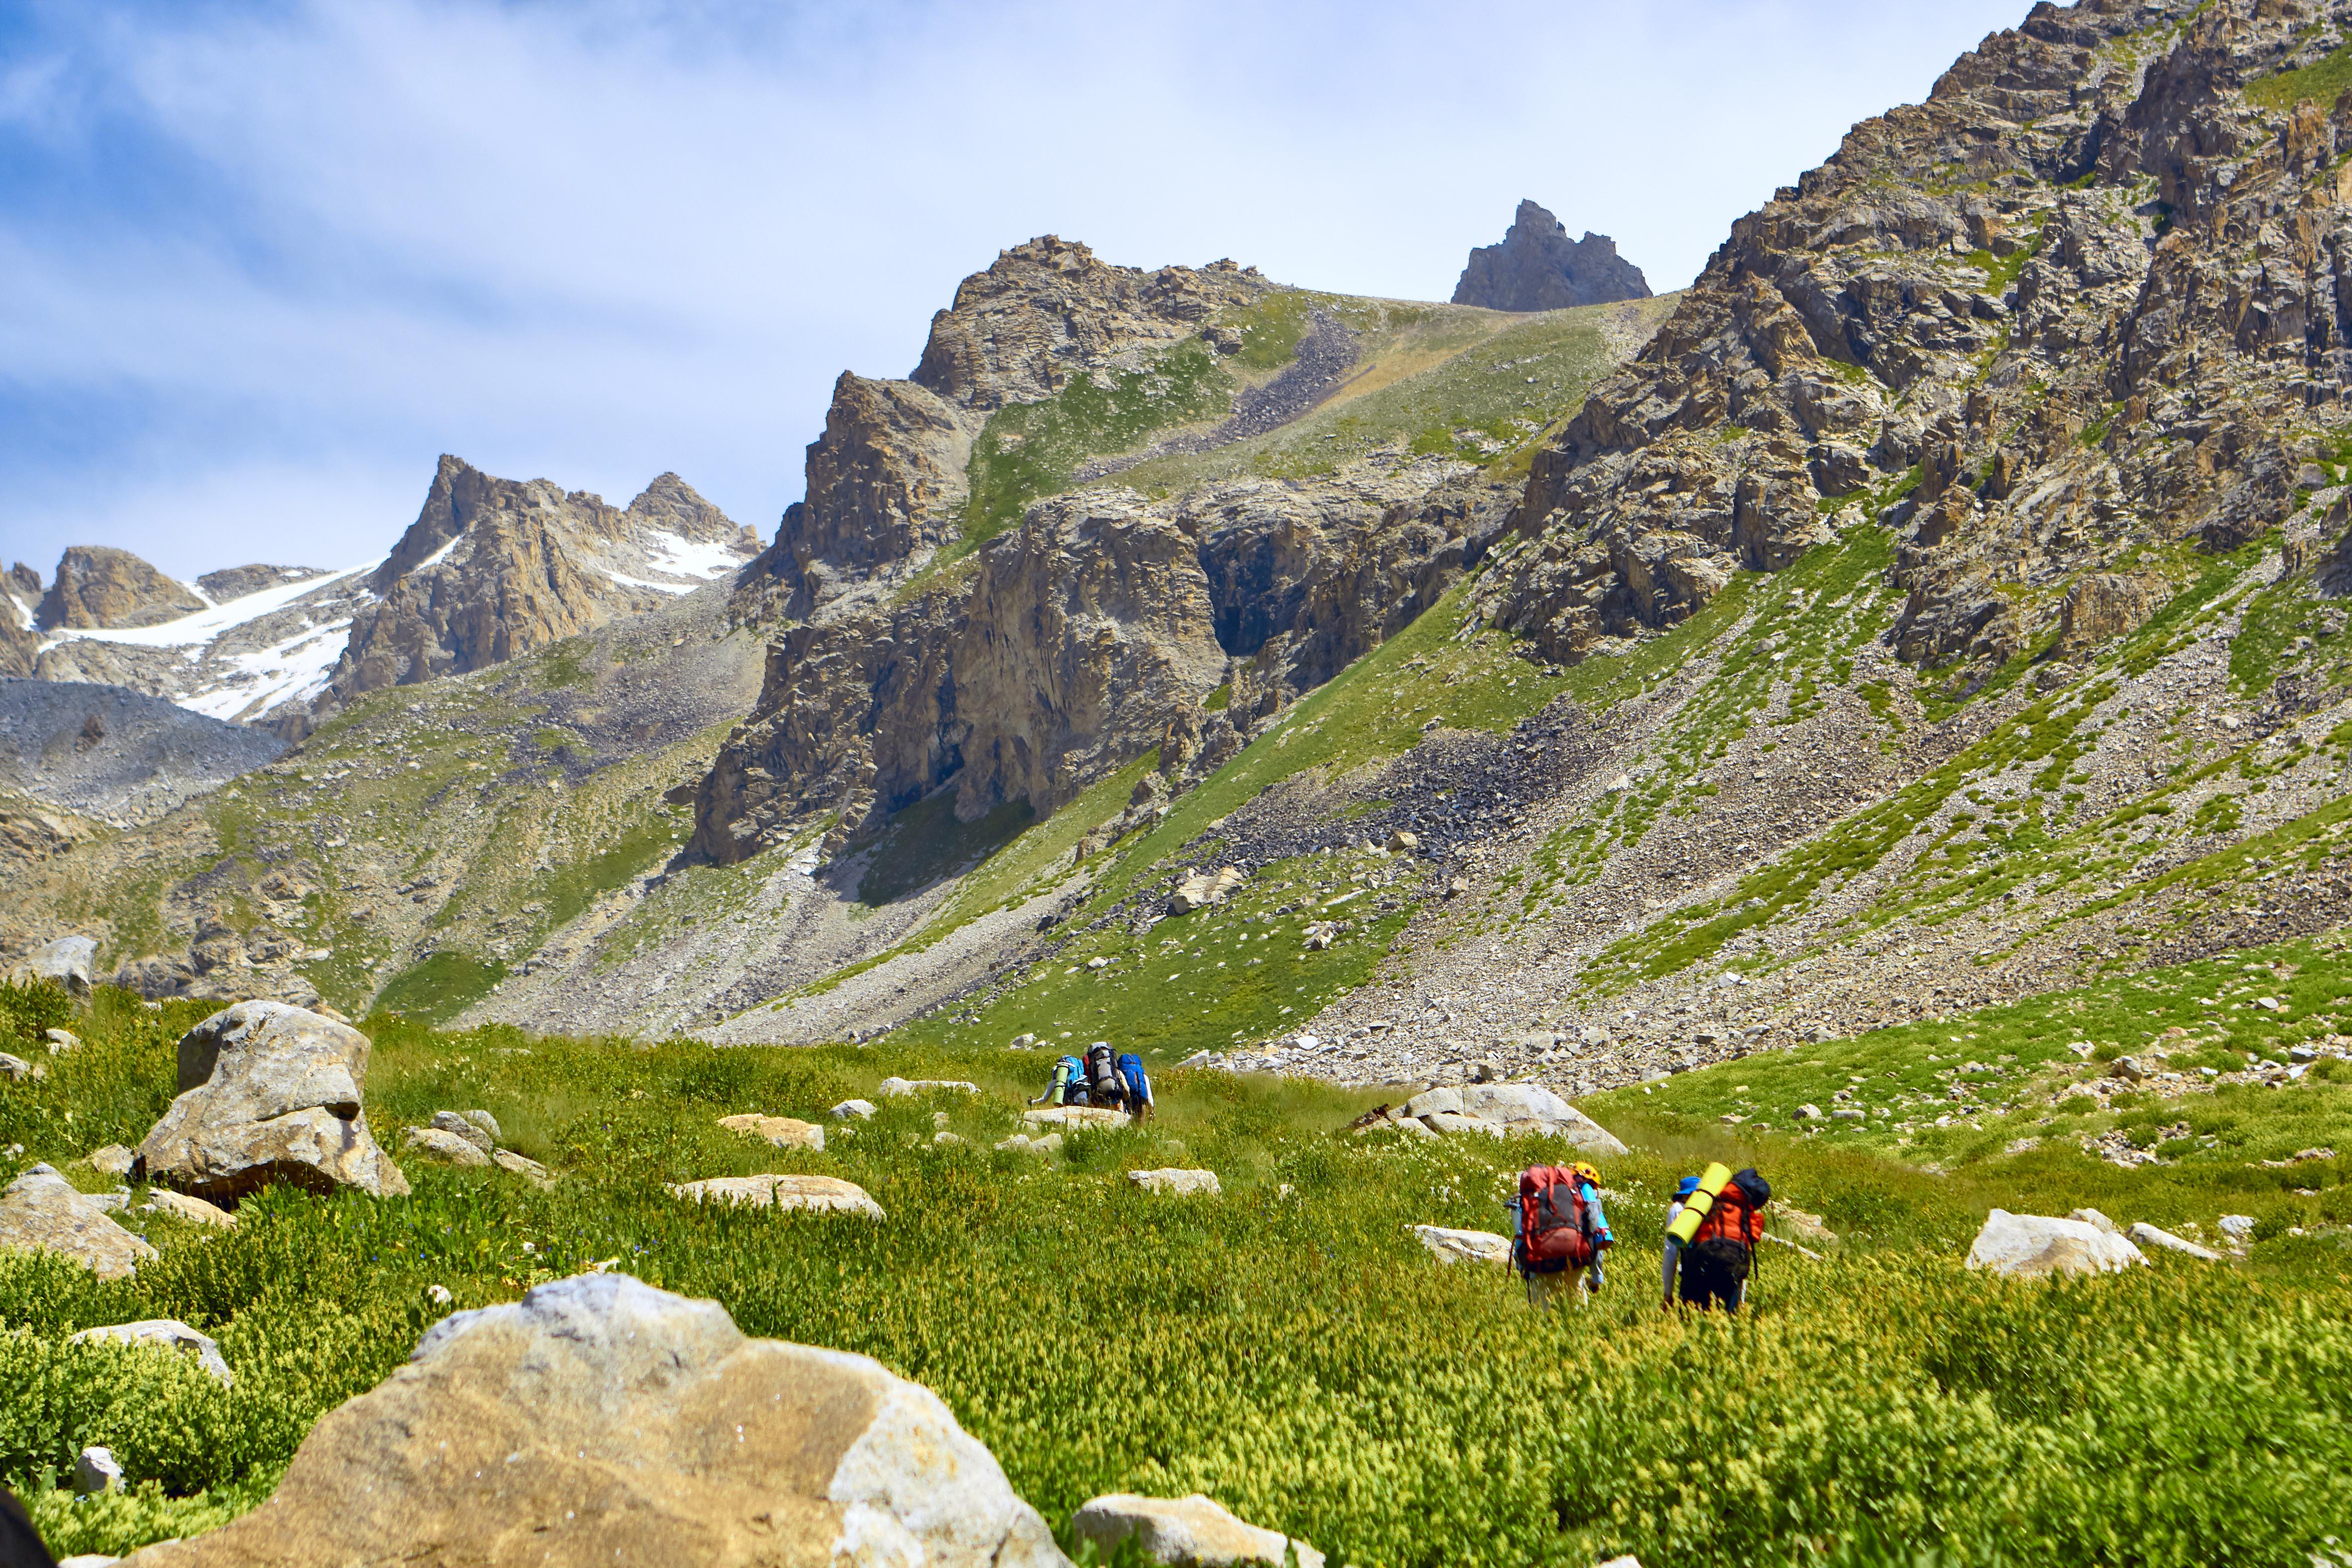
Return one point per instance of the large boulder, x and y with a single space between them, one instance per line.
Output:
269 1092
65 960
599 1420
40 1211
1193 1531
2033 1247
1510 1109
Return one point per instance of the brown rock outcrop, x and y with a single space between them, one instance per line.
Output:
1047 311
97 587
1972 289
1538 268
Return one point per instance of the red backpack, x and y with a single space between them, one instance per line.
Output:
1550 1231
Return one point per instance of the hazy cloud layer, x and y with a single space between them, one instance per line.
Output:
264 262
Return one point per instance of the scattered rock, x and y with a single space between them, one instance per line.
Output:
2147 1235
1463 1246
2128 1068
464 1127
112 1159
1025 1042
828 1194
1177 1183
443 1144
616 1422
1321 934
1809 1113
40 1211
1183 1533
860 1108
96 1470
1022 1143
461 1126
892 1087
270 1092
195 1211
2031 1246
2238 1228
522 1166
783 1132
1403 839
166 1334
2094 1217
16 1069
60 1039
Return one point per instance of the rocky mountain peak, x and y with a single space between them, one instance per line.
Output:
98 586
1047 310
495 568
1538 268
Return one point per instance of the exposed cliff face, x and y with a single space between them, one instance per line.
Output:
1538 268
884 484
1085 637
98 586
493 568
2083 298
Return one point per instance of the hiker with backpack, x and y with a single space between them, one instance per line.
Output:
1139 1085
1712 1233
1105 1086
1559 1232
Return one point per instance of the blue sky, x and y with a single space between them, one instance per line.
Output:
262 263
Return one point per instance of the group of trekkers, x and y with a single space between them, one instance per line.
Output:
1559 1234
1113 1079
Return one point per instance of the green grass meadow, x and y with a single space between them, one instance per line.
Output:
1288 1348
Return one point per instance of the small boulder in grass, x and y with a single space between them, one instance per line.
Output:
443 1144
1193 1531
2146 1235
778 1132
1177 1183
195 1211
820 1193
169 1335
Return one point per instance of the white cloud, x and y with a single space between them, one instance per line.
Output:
595 243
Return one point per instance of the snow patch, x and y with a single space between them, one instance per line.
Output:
296 670
683 557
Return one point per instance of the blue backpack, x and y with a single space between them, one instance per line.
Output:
1138 1087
